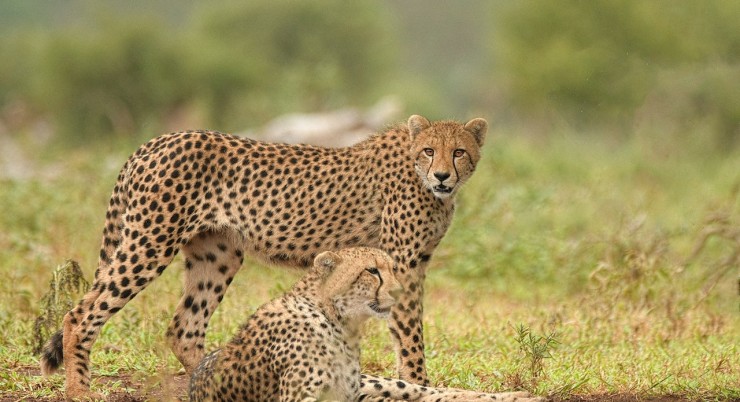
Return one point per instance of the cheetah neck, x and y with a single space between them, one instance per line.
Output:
351 327
332 309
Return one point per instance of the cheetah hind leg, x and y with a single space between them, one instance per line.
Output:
212 258
129 272
52 357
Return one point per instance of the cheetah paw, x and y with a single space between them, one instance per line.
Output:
86 396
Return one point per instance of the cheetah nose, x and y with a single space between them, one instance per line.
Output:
441 176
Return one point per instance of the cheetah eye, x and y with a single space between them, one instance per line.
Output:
458 153
429 151
373 271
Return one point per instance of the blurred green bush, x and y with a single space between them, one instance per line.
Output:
117 80
239 64
298 56
661 71
600 62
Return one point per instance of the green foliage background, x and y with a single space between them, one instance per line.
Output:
615 64
234 65
603 219
619 69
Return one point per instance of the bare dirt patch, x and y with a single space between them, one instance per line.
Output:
128 388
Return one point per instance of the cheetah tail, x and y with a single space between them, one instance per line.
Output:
52 355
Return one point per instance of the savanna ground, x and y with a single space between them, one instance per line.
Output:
575 268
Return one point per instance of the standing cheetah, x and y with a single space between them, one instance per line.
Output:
305 345
216 197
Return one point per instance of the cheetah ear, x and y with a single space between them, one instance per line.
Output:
416 125
327 261
478 127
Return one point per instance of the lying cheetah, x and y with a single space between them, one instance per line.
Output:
304 346
216 197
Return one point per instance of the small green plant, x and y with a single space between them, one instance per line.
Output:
535 349
66 284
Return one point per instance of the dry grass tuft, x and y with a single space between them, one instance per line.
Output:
65 287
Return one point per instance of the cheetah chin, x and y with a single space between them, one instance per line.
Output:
380 311
442 191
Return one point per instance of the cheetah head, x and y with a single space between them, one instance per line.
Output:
360 281
445 152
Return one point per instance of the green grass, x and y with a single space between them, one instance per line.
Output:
626 256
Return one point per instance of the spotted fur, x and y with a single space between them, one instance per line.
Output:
216 197
306 343
304 346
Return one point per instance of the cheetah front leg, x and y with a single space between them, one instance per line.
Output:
374 388
377 389
405 320
406 328
470 396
